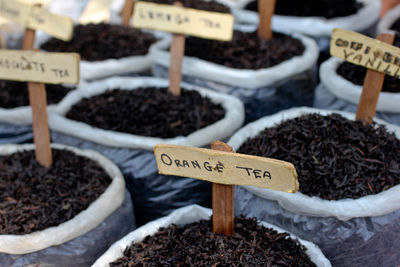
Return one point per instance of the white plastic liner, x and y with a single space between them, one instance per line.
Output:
234 117
246 78
387 21
315 26
184 216
301 204
82 223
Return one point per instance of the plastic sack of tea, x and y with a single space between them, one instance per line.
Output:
320 28
100 69
183 216
337 93
79 241
350 232
385 24
263 91
153 195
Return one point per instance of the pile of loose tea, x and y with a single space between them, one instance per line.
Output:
33 198
396 25
196 245
246 50
211 6
103 41
15 94
148 112
356 74
335 158
313 8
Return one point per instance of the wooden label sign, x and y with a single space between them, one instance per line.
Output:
96 11
39 67
204 24
367 52
37 18
226 168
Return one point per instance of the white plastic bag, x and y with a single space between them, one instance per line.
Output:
264 91
335 92
221 129
368 225
67 243
315 26
182 216
387 21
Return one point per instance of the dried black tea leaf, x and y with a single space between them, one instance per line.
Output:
335 158
313 8
33 198
15 94
246 50
102 41
196 245
148 112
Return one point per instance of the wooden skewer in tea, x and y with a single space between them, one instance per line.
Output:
37 99
222 200
177 50
372 87
127 11
266 9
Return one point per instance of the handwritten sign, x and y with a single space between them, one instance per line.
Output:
204 24
96 11
39 67
226 168
367 52
35 17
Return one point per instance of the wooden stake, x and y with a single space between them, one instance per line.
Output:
372 87
266 9
127 12
222 200
37 99
177 50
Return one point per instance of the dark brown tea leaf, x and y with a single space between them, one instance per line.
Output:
15 94
103 41
148 112
313 8
33 198
246 50
196 245
335 158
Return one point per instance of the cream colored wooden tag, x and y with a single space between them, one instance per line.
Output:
37 18
42 67
204 24
96 11
367 52
226 167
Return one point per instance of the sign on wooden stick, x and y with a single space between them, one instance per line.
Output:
175 19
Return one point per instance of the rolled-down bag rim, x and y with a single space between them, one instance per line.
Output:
345 89
315 26
247 78
83 222
299 203
186 215
220 130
